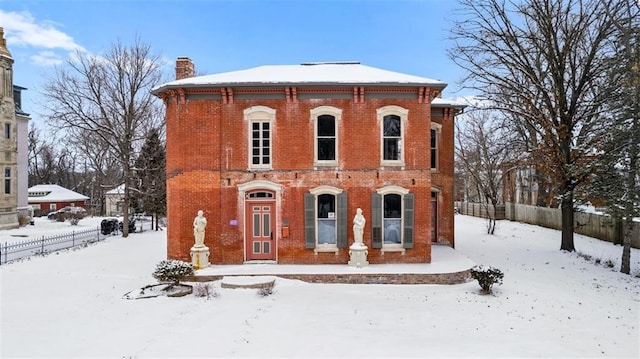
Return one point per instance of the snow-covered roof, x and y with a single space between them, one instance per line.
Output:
443 102
325 73
117 190
53 193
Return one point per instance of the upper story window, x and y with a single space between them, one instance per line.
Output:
435 143
326 121
392 120
7 130
260 121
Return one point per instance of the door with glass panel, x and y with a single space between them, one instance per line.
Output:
260 231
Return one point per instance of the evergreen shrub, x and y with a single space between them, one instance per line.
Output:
487 276
172 271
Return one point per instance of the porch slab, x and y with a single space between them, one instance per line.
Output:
448 266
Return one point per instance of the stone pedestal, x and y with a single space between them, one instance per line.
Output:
358 255
200 256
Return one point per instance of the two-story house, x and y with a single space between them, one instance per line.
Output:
279 158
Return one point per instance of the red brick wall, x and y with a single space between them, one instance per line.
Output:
207 159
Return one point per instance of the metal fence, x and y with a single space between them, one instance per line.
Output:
48 244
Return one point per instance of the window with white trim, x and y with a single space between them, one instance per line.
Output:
326 121
392 218
260 121
392 120
326 219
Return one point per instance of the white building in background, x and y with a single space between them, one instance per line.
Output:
114 200
22 141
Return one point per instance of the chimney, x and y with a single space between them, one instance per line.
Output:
184 68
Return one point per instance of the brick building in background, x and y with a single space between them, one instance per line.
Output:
280 157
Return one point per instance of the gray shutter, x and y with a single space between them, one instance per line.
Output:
341 219
309 221
376 220
407 240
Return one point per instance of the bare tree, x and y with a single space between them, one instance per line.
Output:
484 146
543 62
110 98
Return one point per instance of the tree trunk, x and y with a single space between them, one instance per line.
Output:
567 222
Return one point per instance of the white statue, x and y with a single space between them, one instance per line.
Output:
358 226
199 224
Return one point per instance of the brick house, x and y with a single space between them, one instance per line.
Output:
280 157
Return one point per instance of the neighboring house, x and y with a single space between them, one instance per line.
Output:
8 143
22 141
45 198
114 200
280 158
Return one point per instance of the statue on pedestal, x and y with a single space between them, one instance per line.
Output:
358 251
358 226
199 224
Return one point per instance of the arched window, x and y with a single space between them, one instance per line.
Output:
325 219
392 121
392 218
260 123
326 120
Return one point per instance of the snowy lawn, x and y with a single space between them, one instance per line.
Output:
552 304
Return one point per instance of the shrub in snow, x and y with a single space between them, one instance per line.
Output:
487 276
205 290
172 271
265 291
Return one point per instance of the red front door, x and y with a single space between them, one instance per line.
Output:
260 231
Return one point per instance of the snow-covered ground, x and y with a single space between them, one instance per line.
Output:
552 304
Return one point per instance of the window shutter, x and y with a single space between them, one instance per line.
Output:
408 221
341 220
376 220
309 220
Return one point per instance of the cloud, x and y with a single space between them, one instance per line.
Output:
47 58
22 29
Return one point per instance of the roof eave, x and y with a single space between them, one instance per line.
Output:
162 88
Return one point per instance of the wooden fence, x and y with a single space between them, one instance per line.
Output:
589 224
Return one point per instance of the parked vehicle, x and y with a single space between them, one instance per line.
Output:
68 212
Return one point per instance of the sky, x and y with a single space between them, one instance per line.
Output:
551 304
405 36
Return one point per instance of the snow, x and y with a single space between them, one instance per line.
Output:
552 304
53 193
45 227
311 73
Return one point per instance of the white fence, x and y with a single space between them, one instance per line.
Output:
589 224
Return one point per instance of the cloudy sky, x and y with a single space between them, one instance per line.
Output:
219 36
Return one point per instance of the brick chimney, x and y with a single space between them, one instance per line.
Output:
184 68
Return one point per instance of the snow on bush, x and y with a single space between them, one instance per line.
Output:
172 271
487 276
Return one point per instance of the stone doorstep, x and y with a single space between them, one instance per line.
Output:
262 280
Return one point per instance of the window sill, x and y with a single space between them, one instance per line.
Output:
325 163
393 249
325 249
392 164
